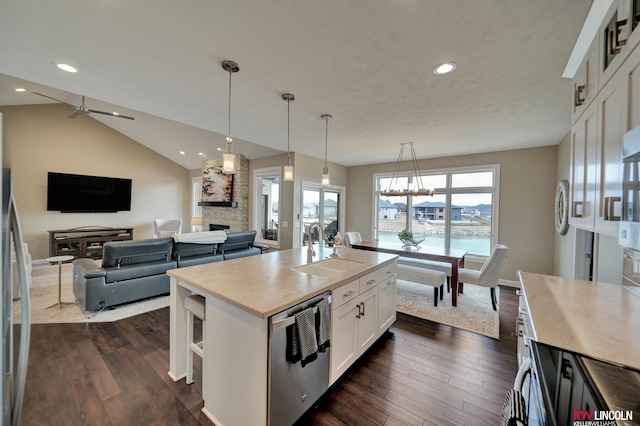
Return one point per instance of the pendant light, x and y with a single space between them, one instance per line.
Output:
229 158
326 181
288 169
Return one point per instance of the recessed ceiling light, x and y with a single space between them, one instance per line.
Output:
67 67
21 89
219 149
182 152
200 154
445 68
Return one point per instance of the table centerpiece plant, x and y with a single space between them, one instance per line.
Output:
408 239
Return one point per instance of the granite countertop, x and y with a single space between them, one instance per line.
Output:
593 319
266 284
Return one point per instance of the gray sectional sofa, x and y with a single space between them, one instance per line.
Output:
134 270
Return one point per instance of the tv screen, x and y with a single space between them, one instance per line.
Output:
70 193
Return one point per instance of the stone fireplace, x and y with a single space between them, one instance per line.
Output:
236 218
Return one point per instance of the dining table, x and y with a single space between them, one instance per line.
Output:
455 257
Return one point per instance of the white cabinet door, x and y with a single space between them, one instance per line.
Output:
386 304
616 40
367 320
630 89
585 81
344 332
583 169
609 155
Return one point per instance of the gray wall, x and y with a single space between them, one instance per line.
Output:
527 193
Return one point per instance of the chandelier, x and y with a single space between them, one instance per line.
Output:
415 186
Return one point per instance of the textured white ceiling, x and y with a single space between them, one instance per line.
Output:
367 63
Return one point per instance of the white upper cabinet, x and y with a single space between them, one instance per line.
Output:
609 159
630 90
618 34
583 169
585 82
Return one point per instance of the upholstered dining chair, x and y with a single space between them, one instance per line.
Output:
163 228
489 273
352 238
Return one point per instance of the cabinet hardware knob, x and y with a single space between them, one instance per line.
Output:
574 209
579 94
347 294
612 201
614 37
371 282
362 303
358 314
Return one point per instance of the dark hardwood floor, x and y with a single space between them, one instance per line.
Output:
419 373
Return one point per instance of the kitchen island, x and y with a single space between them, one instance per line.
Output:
241 295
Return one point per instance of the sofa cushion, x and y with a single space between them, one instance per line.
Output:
239 241
199 260
184 250
121 253
128 272
235 254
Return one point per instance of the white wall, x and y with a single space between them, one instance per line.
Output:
40 138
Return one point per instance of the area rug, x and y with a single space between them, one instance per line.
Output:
44 293
474 311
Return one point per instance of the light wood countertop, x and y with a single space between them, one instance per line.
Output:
593 319
266 284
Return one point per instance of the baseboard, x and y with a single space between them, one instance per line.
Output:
509 283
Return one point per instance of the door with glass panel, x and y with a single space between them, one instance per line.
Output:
267 205
324 206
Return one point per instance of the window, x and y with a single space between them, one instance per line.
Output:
267 204
461 214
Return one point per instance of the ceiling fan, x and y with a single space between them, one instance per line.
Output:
83 109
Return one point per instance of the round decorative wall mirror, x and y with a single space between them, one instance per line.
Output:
562 207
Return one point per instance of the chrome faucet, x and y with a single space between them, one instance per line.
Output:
310 251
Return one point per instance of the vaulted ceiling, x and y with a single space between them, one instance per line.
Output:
367 63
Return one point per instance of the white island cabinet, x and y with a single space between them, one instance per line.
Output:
241 295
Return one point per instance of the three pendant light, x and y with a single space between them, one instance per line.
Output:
229 158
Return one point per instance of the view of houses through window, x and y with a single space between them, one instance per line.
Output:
461 213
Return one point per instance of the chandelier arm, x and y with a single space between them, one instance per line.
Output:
396 170
415 168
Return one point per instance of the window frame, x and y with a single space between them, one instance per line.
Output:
448 191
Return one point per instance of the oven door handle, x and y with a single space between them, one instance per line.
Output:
525 369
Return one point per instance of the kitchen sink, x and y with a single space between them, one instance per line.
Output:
328 267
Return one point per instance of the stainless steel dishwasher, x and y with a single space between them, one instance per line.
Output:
293 389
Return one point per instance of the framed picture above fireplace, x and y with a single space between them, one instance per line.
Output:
216 186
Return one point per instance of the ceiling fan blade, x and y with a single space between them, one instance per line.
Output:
112 114
45 96
75 113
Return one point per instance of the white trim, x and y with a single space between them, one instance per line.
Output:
257 201
589 30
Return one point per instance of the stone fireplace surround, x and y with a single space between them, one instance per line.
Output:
237 219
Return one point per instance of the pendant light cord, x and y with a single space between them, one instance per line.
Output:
229 120
288 152
326 139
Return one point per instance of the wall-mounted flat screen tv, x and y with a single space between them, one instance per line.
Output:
70 193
